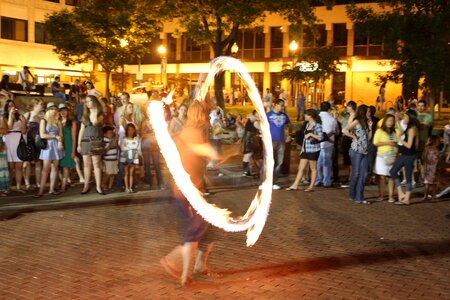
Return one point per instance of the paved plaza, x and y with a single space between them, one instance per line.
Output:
314 246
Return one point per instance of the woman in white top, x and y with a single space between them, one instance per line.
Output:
16 125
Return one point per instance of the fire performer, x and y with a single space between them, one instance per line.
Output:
195 151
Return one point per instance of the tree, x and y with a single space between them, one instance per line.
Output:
322 61
111 33
216 22
416 36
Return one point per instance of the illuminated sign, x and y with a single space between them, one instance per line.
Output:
307 67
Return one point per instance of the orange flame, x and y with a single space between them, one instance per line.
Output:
255 218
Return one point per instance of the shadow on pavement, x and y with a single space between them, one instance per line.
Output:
17 212
409 249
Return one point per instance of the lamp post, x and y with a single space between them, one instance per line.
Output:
234 51
293 47
162 53
123 44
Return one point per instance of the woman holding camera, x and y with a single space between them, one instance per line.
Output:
16 126
310 149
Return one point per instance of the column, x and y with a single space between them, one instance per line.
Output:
350 39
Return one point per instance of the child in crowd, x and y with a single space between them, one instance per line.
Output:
130 151
430 159
110 163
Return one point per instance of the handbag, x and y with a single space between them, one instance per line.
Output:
25 151
96 148
389 158
39 143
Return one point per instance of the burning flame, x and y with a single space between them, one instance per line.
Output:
255 218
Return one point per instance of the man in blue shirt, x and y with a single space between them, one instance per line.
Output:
56 89
278 120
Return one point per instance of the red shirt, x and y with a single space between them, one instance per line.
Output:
194 165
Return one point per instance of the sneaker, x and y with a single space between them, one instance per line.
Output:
276 187
403 182
304 181
220 174
344 186
260 187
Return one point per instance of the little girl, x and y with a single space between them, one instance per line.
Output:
130 151
110 164
430 159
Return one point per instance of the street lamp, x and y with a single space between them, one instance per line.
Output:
123 44
162 53
234 50
293 47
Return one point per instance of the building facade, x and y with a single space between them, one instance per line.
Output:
23 42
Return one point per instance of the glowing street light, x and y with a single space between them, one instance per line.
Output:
234 51
162 53
162 50
123 44
293 46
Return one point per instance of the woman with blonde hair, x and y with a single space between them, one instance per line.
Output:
33 116
90 142
50 129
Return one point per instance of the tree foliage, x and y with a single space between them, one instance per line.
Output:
216 22
326 60
416 36
97 29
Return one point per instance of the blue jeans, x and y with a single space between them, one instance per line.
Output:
406 161
359 174
60 95
371 156
324 164
152 157
278 156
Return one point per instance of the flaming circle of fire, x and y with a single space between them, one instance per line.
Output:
255 218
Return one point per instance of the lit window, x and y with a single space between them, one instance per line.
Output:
14 29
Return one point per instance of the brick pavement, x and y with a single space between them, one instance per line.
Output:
314 246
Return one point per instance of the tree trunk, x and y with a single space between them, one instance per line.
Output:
218 89
107 77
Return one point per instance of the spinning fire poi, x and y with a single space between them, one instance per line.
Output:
255 218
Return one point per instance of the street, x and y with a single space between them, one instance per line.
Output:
314 246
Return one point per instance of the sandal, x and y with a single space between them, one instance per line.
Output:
3 194
291 188
38 195
401 203
309 190
363 202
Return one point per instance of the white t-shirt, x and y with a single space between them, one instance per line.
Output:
329 125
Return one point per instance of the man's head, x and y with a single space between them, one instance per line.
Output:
57 78
267 90
279 106
124 98
325 106
421 106
372 110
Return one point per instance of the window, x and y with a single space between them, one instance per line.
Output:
276 42
194 52
14 29
251 44
40 35
340 34
366 45
73 2
309 40
340 39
